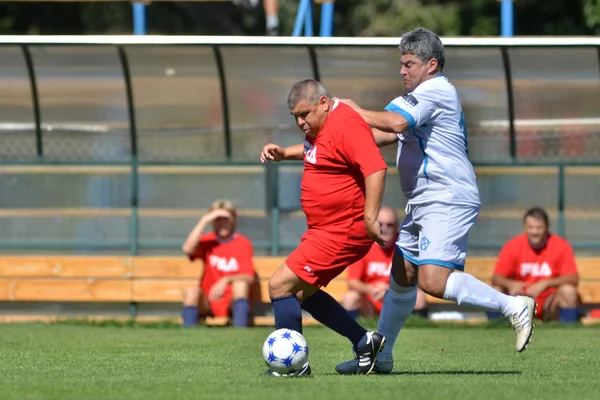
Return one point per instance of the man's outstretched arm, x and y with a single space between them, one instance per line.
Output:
273 152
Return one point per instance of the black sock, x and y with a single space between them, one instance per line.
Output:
288 313
330 313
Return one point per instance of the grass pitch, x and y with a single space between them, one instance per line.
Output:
66 361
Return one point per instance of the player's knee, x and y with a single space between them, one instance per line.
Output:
277 286
191 296
432 279
351 300
283 282
274 285
430 286
240 290
568 296
402 271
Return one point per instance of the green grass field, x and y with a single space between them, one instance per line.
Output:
66 361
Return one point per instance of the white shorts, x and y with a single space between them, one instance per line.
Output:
436 233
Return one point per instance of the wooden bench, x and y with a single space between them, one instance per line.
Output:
143 279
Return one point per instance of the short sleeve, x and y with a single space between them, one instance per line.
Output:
360 149
200 251
245 258
416 107
506 265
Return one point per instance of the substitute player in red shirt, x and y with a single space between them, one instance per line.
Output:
342 187
541 265
228 274
369 279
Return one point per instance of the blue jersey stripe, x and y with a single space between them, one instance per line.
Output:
409 118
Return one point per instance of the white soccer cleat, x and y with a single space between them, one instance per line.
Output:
522 322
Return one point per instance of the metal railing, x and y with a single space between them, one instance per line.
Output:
213 101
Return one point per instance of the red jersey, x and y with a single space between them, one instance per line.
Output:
336 163
519 261
374 267
223 258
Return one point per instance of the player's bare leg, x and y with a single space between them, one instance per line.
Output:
285 290
444 283
195 303
563 305
240 303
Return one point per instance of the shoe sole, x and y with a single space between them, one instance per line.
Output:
381 346
355 371
531 315
306 372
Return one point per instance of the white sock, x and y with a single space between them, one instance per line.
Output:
398 304
466 289
272 21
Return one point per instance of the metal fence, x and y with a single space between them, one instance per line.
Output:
118 144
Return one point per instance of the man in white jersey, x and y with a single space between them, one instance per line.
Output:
443 199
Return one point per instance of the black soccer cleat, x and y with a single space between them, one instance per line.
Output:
367 354
350 367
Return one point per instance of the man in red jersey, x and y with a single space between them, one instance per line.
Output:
228 271
342 187
369 279
541 265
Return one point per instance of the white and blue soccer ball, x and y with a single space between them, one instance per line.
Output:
285 351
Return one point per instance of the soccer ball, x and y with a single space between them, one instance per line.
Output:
285 351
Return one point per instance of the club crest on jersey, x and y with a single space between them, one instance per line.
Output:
410 99
424 243
310 152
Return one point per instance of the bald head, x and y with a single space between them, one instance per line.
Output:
387 214
310 105
308 90
388 221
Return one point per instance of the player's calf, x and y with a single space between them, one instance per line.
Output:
519 310
194 304
240 305
433 279
495 315
565 305
330 313
284 286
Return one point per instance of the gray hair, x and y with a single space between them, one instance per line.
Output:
425 45
308 90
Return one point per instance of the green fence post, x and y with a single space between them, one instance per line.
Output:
561 200
511 104
272 196
35 98
134 224
314 63
275 231
225 99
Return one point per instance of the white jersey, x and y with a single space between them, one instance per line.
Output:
432 156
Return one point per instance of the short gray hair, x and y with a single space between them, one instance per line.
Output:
308 90
424 44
